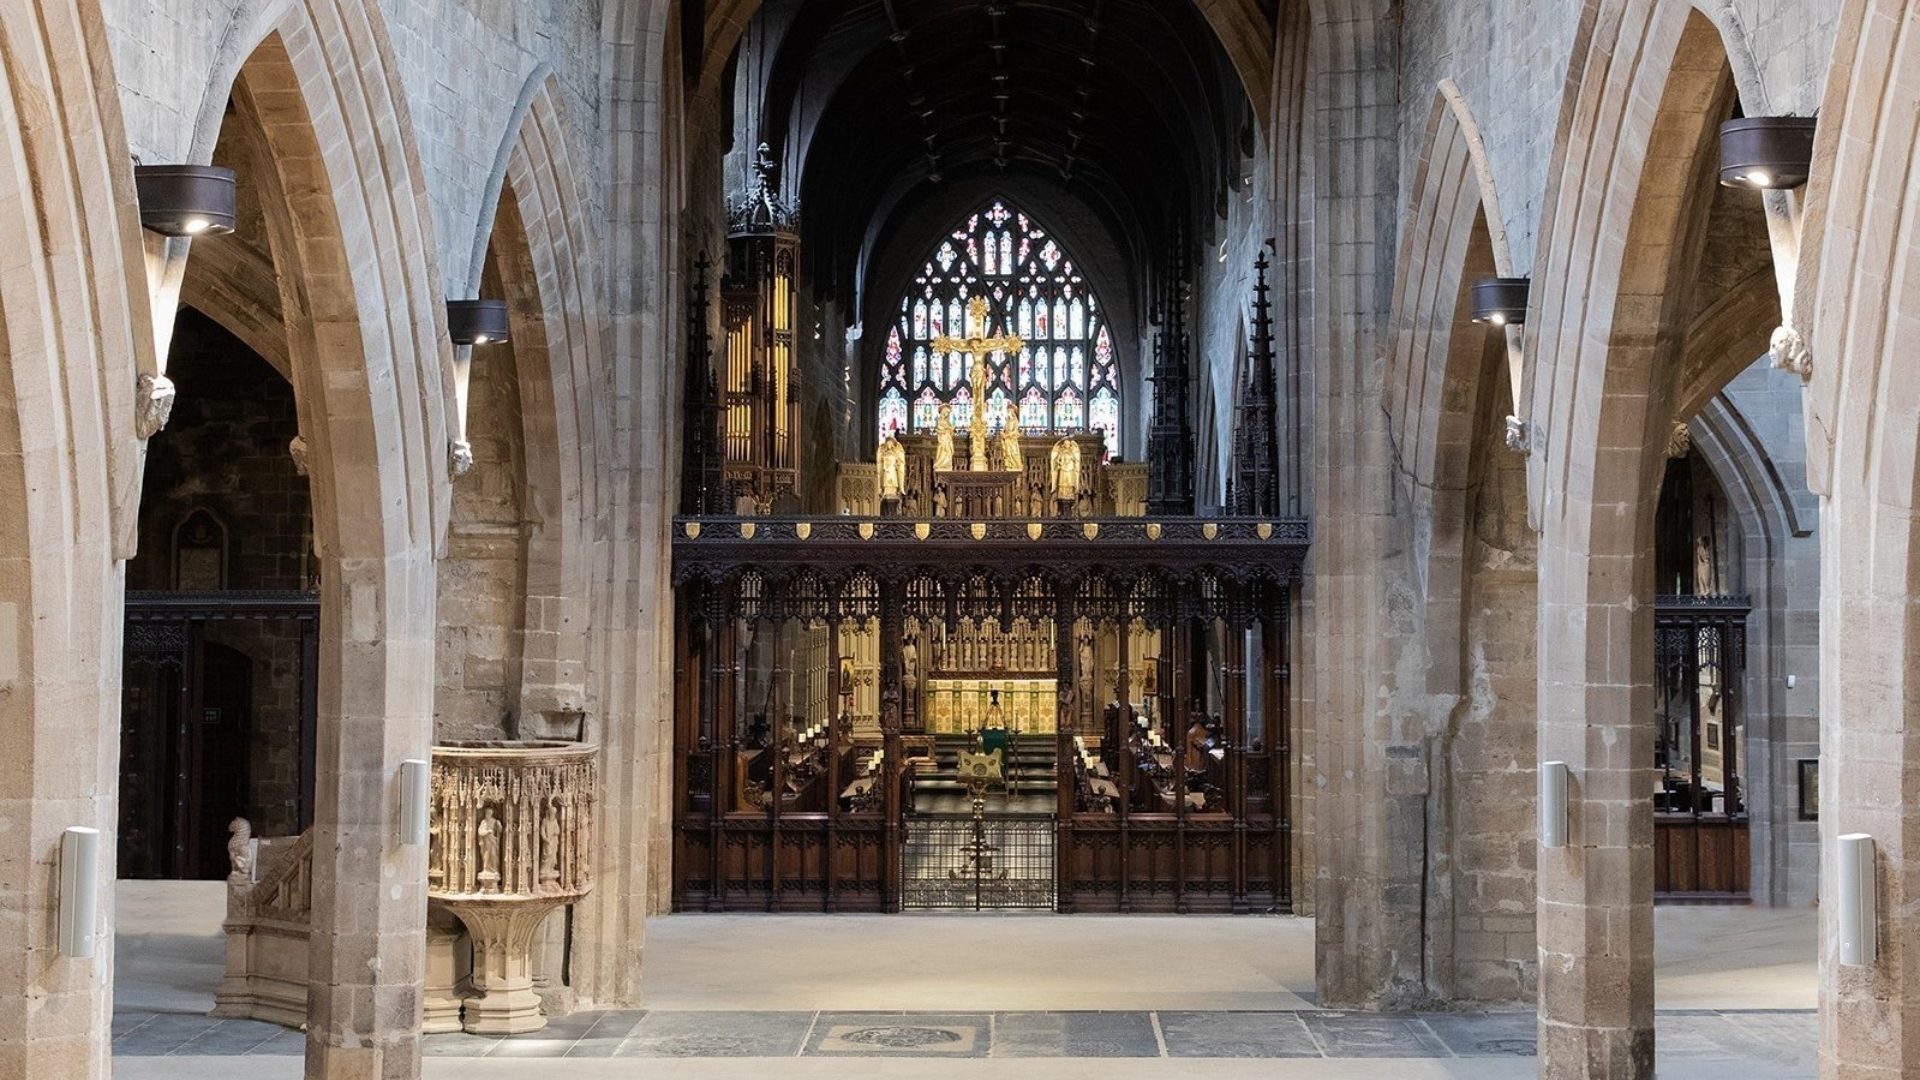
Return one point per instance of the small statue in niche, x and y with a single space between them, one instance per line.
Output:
940 501
550 844
943 440
524 827
909 665
240 851
893 468
487 839
436 854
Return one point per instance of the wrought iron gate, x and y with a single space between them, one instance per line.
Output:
953 862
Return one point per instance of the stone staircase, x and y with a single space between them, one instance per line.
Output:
1032 776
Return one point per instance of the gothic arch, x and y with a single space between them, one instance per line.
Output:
535 223
1776 533
1858 300
1449 383
1725 339
1452 222
347 216
1622 229
75 334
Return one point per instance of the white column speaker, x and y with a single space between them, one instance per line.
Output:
1553 804
79 890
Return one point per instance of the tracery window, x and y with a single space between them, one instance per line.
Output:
1064 380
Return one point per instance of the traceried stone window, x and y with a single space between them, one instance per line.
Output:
1064 380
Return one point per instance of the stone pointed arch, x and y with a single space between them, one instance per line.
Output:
74 337
1629 189
1469 559
1452 234
348 223
1858 302
535 223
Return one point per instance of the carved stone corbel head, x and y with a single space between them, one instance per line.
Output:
152 405
1679 440
297 450
1519 435
460 457
1788 351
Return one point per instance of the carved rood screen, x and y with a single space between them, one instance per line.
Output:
1128 678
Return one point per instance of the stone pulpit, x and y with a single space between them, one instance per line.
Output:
511 840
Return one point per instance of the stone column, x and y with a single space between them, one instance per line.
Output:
1595 910
368 936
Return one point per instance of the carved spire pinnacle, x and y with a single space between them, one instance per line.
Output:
1256 450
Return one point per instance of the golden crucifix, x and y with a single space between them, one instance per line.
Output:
979 347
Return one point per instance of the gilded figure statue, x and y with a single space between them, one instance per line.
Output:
1010 456
893 468
943 440
1065 469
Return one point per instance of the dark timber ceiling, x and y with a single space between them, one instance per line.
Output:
1130 107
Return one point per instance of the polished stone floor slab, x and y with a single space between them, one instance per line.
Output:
1486 1034
717 1034
1237 1035
1075 1034
1349 1035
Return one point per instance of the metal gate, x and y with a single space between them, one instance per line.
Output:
954 862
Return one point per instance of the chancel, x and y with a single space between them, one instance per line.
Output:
951 564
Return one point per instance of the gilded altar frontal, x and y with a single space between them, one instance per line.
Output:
1348 537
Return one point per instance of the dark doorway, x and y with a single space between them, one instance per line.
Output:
221 653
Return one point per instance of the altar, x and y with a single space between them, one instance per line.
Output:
1026 705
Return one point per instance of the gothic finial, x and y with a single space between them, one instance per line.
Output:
763 210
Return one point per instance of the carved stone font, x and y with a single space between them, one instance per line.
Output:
512 840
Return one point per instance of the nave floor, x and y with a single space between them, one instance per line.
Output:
1116 998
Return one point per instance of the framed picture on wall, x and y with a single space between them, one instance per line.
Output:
1809 789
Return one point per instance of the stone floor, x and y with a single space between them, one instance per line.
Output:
732 996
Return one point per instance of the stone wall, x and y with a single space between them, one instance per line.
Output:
479 649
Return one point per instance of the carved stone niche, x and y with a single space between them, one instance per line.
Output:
511 840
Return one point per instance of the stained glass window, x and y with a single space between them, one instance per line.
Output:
1033 289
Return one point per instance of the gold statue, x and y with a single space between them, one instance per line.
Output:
1010 457
979 347
1065 468
943 440
893 468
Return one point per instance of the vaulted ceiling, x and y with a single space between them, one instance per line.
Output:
1130 109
